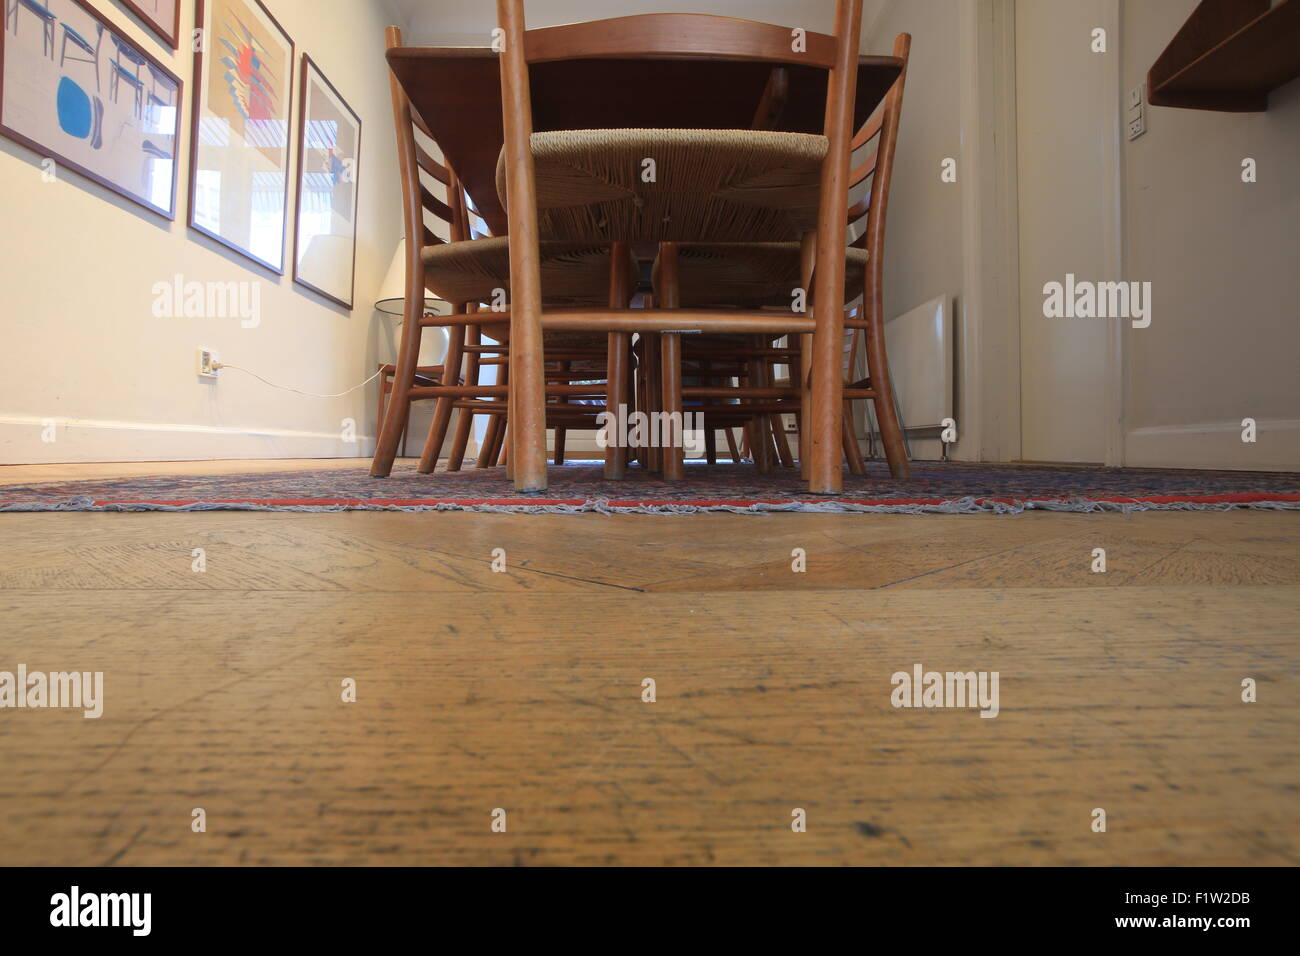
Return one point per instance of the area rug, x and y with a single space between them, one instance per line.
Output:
934 488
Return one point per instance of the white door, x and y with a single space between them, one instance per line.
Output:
1064 221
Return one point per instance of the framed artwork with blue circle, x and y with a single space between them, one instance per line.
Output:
82 94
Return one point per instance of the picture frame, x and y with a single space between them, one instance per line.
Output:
163 17
241 140
327 194
120 131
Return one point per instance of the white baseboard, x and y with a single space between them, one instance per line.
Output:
88 440
1219 445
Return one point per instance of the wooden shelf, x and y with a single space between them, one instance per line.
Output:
1228 56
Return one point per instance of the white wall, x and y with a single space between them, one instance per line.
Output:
923 233
1223 257
78 263
923 238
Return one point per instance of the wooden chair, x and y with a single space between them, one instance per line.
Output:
467 272
773 186
766 275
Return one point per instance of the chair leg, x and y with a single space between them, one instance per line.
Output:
385 386
408 355
654 395
616 404
443 409
711 445
760 438
670 354
782 441
731 445
807 264
671 435
777 421
465 421
527 407
804 418
487 450
850 441
617 361
560 430
891 433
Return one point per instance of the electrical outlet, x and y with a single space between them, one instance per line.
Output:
1137 125
207 363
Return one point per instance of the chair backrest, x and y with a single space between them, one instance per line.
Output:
880 134
677 36
659 42
418 170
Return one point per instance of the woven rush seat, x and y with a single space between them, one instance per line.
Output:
573 273
751 274
716 185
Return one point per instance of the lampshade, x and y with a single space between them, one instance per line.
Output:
392 294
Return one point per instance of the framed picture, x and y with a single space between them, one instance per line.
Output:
85 96
239 147
329 148
163 17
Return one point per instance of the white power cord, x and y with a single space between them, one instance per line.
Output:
290 388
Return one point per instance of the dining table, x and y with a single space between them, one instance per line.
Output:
457 93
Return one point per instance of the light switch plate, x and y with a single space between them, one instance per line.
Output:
1136 97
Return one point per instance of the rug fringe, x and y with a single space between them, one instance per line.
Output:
968 505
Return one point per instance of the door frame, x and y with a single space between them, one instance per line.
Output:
989 307
1112 192
989 310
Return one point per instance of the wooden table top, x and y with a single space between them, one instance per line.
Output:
457 91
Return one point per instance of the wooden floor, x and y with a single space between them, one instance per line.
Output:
521 690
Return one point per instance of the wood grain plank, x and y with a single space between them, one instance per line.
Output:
1125 698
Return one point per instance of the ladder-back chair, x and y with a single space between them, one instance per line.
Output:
567 183
770 275
469 273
